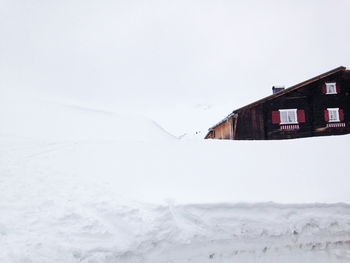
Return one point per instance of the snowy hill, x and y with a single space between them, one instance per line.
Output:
32 117
84 185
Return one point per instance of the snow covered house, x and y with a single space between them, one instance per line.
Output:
316 107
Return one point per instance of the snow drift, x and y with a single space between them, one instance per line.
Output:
33 117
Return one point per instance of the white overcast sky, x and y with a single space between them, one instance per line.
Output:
168 52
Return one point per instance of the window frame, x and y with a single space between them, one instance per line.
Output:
334 84
329 115
289 110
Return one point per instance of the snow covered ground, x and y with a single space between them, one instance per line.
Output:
103 109
80 184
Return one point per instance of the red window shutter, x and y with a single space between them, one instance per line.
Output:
276 119
341 115
338 87
326 115
301 115
324 89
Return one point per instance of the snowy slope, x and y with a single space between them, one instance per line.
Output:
76 186
187 171
32 117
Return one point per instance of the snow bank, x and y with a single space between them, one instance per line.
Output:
107 230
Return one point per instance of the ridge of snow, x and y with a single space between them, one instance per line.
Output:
56 120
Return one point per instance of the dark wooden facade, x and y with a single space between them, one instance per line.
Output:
310 101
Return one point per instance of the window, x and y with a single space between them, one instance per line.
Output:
333 114
288 116
331 88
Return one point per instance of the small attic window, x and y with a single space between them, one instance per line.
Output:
331 88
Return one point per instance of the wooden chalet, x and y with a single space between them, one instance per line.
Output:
316 107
